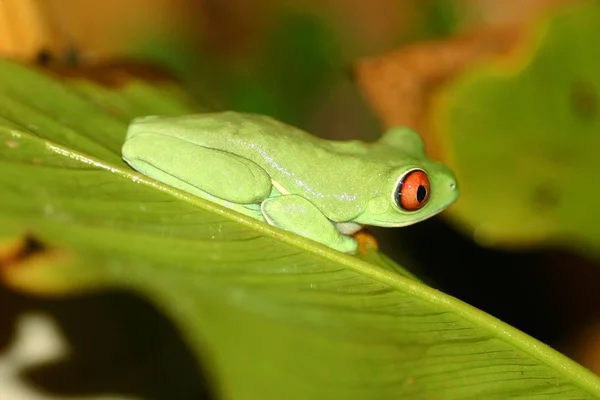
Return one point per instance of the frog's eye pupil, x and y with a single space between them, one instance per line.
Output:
413 191
421 193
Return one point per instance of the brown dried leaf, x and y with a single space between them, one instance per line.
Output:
27 32
20 256
400 84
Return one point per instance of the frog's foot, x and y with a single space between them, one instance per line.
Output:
366 241
298 215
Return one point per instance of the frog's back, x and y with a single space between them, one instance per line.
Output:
244 134
256 137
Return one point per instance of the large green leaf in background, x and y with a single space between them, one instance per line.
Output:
523 135
269 314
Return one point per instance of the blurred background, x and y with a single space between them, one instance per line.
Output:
504 91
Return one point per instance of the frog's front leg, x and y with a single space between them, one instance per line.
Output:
298 215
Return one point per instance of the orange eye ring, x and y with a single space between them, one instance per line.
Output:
413 191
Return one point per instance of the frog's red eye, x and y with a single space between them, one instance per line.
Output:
413 190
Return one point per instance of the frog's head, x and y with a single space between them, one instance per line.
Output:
414 189
412 194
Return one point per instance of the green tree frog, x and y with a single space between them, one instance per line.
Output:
321 189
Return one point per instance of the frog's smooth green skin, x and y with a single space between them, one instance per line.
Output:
317 188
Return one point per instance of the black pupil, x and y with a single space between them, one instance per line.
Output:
421 193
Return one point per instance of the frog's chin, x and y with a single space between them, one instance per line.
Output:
406 222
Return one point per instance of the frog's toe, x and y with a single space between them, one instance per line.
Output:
366 242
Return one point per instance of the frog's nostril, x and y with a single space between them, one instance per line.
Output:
452 185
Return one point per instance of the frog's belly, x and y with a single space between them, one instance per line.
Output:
348 228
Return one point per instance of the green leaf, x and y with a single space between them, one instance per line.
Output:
522 136
270 314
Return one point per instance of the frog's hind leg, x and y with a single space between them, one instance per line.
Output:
197 169
298 215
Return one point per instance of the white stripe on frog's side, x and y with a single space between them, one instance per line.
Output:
348 228
279 188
